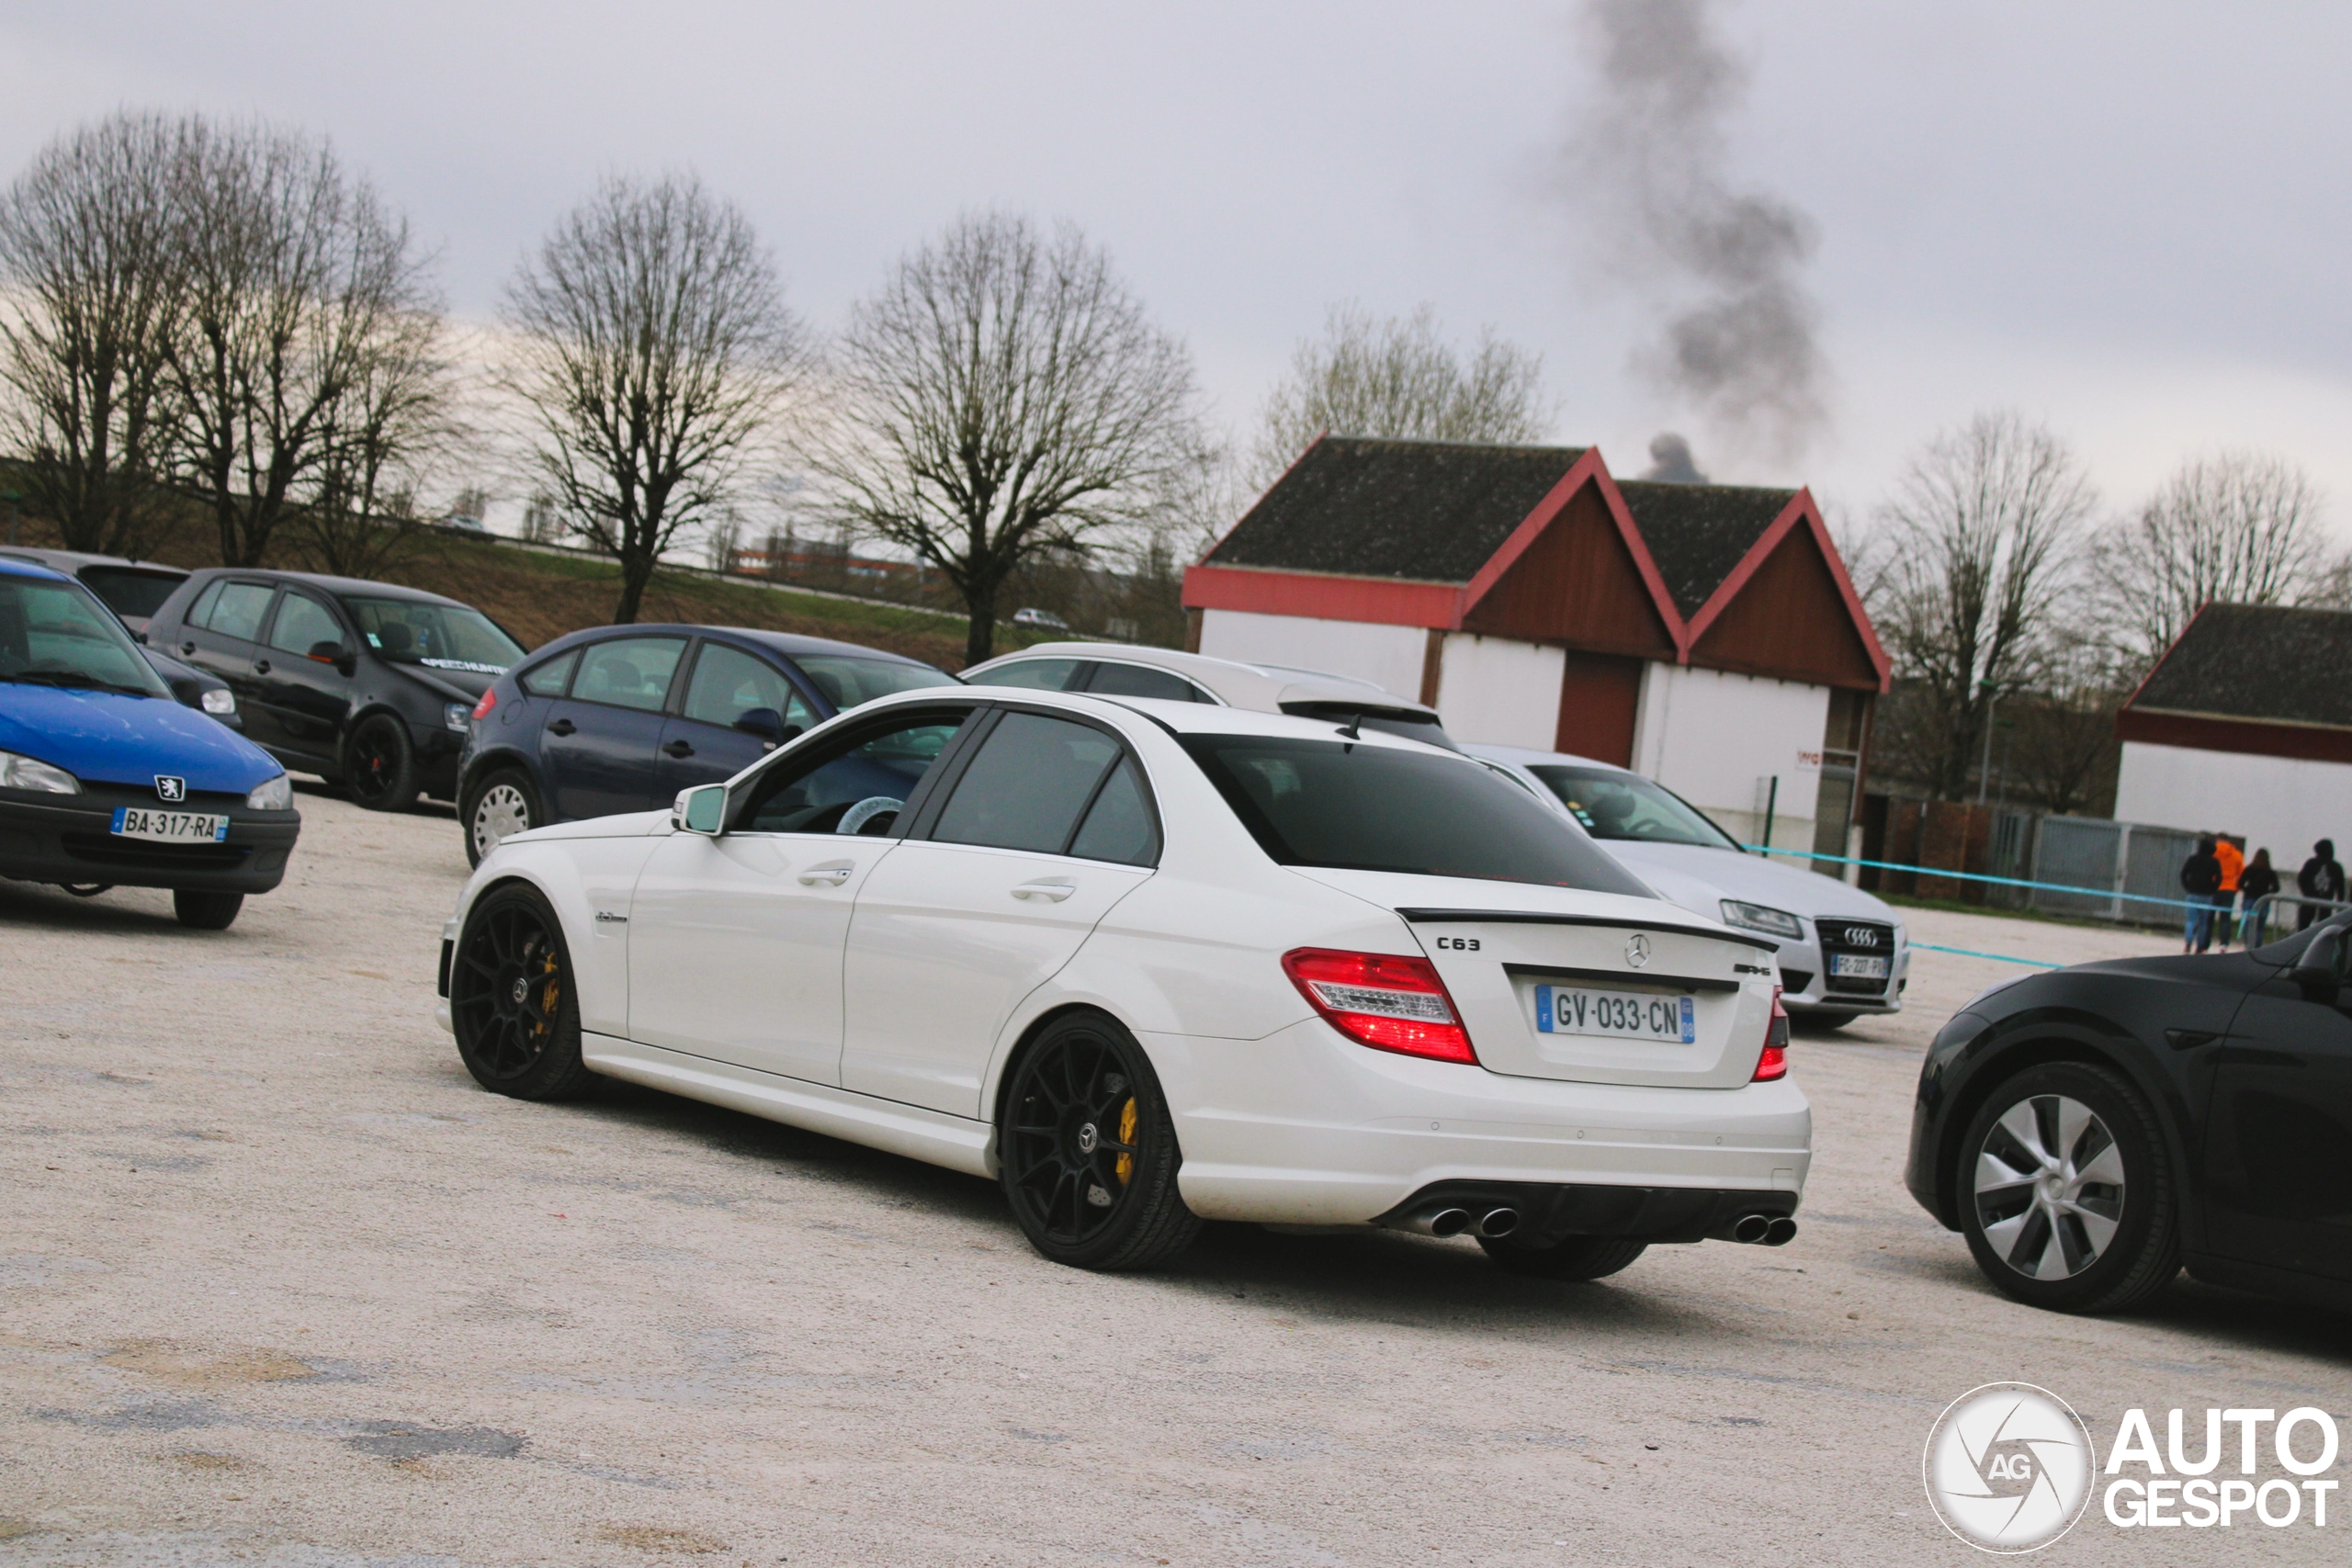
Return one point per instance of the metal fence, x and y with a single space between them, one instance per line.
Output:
2141 863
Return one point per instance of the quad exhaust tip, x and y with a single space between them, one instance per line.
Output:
1446 1222
1498 1222
1763 1230
1782 1231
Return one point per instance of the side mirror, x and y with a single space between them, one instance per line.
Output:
702 809
333 653
765 722
2319 972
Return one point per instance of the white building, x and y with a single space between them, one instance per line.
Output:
1704 634
2244 726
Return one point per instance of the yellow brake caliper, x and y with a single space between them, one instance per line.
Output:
1126 1164
548 996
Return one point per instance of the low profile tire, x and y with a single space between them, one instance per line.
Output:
379 763
2066 1191
206 911
1087 1151
502 803
1569 1257
513 1000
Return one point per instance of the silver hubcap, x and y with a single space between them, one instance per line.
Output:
499 812
2049 1187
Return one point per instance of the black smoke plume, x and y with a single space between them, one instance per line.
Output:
1649 165
1671 462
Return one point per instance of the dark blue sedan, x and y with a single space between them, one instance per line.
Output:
106 780
621 718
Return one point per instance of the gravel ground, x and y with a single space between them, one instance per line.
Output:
278 1284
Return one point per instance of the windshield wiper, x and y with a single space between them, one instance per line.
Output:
72 680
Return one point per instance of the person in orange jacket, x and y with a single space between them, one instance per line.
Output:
2233 861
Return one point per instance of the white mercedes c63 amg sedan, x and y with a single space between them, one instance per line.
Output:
1148 964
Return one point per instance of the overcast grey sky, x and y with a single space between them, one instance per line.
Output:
2130 220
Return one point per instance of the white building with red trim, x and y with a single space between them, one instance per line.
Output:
1707 636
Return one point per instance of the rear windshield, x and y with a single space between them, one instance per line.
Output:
129 593
1355 807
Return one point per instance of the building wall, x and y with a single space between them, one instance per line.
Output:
1389 657
1499 692
2281 804
1716 738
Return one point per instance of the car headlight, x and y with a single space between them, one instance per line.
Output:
272 795
1757 917
219 700
458 716
27 773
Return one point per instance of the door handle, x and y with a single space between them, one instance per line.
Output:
261 666
1052 892
561 726
188 647
679 748
835 872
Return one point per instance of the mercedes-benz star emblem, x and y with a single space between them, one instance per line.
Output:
522 989
1087 1138
169 788
1637 950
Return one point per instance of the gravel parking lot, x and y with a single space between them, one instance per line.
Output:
278 1284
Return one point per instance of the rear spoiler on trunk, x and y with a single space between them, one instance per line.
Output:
1529 917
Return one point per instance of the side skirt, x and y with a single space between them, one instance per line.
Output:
955 1142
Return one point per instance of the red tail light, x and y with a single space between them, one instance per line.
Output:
1383 1000
1774 1062
489 701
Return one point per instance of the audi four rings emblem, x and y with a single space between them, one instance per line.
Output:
1637 950
1861 936
170 788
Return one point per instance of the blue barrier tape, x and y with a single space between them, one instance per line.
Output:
1973 876
1997 957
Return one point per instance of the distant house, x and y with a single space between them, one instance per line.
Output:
2246 726
1704 634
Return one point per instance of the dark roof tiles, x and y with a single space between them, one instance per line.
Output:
2258 662
1699 534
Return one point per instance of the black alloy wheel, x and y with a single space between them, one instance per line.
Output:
379 763
1087 1150
512 999
503 804
2066 1194
1565 1257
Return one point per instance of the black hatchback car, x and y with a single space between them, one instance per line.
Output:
2091 1130
621 718
367 684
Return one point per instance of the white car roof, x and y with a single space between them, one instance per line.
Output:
1182 718
1263 688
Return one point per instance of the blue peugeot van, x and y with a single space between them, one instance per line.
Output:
106 780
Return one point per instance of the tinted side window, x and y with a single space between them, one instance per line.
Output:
239 610
302 622
547 680
821 791
200 613
1030 674
728 683
1118 826
629 671
1135 680
1025 789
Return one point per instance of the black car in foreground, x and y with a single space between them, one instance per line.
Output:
621 718
367 684
2092 1129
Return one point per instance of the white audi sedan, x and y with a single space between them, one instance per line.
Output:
1148 964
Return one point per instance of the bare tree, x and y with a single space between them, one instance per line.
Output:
2241 527
1980 535
300 280
1397 378
1002 397
654 352
393 418
96 289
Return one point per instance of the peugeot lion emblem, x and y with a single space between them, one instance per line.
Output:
170 788
1637 950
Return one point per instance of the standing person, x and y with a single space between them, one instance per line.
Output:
2201 877
2321 877
2256 881
2233 861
